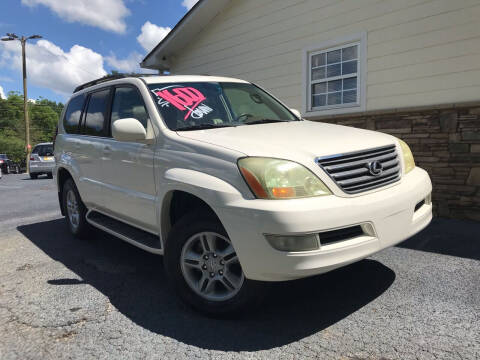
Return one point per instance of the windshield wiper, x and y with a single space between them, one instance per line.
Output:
202 127
263 121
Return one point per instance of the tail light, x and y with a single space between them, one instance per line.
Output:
32 158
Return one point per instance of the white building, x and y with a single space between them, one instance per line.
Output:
408 67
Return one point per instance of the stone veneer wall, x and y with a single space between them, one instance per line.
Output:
446 143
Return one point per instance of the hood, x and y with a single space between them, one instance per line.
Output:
295 140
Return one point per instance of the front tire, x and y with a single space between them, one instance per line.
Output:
75 210
33 176
203 267
50 175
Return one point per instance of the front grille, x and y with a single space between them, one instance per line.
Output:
351 172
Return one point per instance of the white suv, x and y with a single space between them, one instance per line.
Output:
230 185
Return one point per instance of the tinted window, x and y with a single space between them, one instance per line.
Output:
190 105
248 100
43 150
72 114
95 115
128 103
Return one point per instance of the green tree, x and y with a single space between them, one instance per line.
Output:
44 115
57 107
12 145
43 120
11 110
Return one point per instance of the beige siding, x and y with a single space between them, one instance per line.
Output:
419 52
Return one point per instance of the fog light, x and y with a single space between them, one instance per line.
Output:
293 243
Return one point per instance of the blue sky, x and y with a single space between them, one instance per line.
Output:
83 39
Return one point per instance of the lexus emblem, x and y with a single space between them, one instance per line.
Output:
375 168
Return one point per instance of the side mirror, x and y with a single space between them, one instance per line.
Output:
129 129
296 113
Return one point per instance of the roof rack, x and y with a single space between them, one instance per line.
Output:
108 78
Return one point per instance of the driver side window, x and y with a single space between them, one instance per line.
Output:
128 103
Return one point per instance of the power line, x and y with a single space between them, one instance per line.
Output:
30 102
33 105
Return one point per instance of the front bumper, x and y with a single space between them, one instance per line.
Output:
391 212
39 167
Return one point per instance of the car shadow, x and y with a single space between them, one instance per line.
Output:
40 177
448 237
135 284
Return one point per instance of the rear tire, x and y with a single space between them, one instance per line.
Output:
50 175
213 283
33 176
75 210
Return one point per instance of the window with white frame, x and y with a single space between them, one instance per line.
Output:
334 77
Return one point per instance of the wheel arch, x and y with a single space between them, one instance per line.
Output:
177 203
189 190
62 176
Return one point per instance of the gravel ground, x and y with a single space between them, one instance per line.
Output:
62 298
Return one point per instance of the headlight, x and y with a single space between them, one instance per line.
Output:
280 179
407 156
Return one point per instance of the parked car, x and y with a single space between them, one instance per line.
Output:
8 166
230 185
42 160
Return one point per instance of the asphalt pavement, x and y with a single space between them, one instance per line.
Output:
61 298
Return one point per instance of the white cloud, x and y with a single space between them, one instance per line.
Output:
129 64
105 14
151 35
187 3
51 67
2 93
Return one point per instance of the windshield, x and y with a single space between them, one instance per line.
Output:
43 150
203 105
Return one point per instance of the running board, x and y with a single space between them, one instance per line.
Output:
137 237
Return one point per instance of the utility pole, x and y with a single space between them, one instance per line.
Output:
23 41
25 104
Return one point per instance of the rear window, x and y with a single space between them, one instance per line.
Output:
43 150
3 156
72 114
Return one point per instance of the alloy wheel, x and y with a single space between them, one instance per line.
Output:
73 211
211 267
